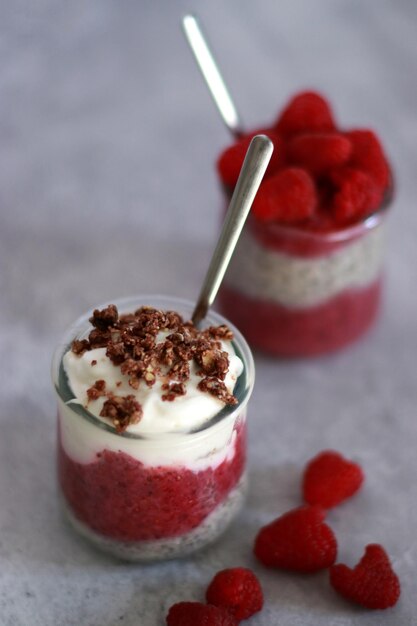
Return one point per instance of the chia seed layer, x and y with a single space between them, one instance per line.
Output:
295 282
168 548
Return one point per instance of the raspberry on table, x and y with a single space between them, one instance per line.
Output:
238 590
357 195
231 160
372 583
329 479
307 111
368 155
198 614
288 196
299 540
319 152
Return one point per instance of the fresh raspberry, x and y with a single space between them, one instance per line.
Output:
319 152
307 111
329 479
231 160
372 583
288 196
237 590
298 540
368 155
198 614
357 195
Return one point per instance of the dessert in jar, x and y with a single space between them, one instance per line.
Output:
306 276
151 427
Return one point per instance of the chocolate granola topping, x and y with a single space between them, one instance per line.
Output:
217 388
133 343
104 318
97 390
122 410
173 390
79 347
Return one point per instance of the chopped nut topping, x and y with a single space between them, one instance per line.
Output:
131 342
180 371
116 353
220 332
173 390
104 318
217 388
173 320
213 362
98 339
79 347
123 411
97 390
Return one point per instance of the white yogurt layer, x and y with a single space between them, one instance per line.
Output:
164 426
182 414
297 282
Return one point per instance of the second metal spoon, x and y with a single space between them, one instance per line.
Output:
212 75
250 177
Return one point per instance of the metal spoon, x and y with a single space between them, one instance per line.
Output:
212 76
250 177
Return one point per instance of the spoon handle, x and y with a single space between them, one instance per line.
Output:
211 74
250 177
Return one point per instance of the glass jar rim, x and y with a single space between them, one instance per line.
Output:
244 384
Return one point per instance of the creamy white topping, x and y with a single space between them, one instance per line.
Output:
180 415
163 425
83 441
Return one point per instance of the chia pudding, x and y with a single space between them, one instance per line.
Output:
151 427
306 277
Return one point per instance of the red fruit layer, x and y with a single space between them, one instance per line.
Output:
289 196
319 152
356 195
119 497
368 155
308 111
306 136
279 330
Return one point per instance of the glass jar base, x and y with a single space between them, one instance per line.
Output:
172 547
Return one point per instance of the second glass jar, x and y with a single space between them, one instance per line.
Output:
294 292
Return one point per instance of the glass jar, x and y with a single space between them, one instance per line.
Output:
294 292
149 497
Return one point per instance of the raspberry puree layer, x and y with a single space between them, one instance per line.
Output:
119 497
277 329
168 547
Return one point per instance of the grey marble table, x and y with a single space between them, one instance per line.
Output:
107 188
